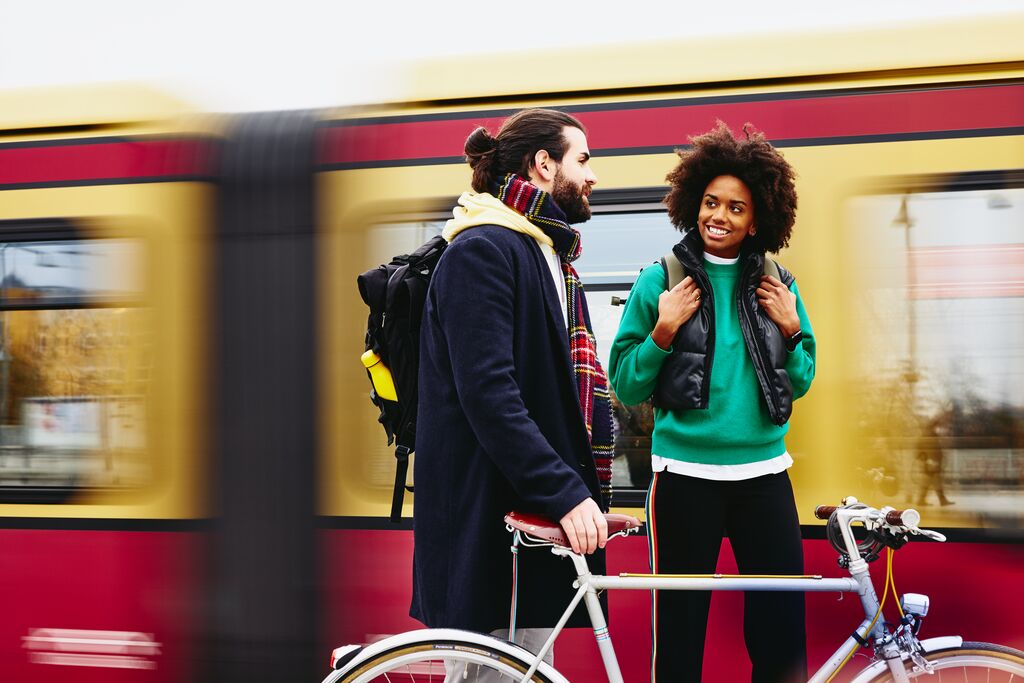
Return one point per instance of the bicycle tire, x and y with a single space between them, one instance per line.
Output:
968 663
424 661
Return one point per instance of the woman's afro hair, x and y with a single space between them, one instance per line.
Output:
752 159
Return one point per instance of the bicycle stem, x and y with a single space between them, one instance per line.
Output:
858 568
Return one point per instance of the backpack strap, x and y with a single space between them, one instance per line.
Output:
401 472
674 271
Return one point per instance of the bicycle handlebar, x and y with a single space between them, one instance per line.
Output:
908 518
905 521
824 511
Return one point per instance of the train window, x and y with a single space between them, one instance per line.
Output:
942 371
74 367
388 239
618 241
35 274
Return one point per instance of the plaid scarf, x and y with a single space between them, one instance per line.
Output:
591 381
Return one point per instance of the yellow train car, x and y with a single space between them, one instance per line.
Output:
104 209
908 143
157 390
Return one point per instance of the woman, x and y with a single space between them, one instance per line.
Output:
722 354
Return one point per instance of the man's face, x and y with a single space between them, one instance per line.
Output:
574 179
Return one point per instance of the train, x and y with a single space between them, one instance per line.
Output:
193 483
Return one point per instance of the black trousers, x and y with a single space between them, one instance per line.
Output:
687 518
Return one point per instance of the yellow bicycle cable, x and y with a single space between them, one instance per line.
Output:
628 575
892 584
881 606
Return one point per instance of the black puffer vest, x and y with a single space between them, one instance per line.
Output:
685 378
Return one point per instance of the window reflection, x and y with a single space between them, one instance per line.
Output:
71 272
74 366
616 246
943 369
388 240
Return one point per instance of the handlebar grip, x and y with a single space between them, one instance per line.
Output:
908 517
824 511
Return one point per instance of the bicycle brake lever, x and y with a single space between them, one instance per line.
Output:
928 533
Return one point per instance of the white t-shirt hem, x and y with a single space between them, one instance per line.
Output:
748 470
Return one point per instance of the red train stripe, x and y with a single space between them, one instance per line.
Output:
117 159
826 117
833 115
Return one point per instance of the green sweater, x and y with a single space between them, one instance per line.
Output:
736 428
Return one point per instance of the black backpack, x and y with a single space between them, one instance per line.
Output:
396 294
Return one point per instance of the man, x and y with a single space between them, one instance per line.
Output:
513 409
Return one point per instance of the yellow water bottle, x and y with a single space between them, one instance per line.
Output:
380 376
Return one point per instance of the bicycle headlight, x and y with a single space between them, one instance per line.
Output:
915 603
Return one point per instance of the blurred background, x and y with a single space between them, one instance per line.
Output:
193 485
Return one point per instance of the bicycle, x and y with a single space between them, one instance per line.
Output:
899 655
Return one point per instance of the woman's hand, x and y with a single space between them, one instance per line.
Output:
675 307
780 305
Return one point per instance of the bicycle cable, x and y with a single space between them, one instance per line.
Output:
892 584
881 606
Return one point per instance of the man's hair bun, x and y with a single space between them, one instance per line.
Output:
480 143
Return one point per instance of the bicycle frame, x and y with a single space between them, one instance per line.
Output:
896 652
588 586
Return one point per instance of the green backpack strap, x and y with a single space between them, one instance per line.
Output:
674 271
771 268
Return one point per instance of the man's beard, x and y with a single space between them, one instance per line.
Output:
570 199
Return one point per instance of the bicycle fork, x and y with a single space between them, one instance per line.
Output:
887 648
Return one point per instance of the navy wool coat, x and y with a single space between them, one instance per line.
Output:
499 428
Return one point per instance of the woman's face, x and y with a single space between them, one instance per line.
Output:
726 216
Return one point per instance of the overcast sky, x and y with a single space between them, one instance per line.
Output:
238 56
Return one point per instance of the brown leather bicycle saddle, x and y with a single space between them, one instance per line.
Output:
543 528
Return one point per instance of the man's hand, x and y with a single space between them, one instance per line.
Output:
586 527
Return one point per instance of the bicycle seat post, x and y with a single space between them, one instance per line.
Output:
579 563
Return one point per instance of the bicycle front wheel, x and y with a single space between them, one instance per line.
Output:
433 661
968 663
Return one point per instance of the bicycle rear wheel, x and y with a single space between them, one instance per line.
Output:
968 663
431 661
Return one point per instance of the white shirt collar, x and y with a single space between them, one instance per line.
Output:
711 258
